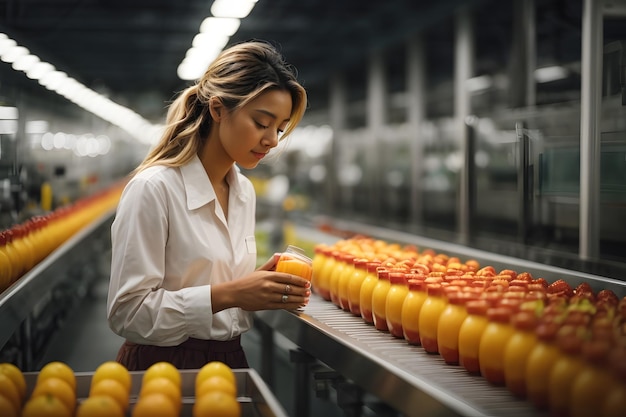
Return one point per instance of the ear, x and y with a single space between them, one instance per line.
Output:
216 108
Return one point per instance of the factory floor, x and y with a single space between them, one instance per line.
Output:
84 341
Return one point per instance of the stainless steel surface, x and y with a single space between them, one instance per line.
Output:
404 376
591 106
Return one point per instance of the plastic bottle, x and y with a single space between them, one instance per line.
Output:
449 326
540 363
5 266
396 295
517 351
321 279
411 308
496 335
569 340
344 281
367 288
335 273
379 300
354 287
319 284
591 387
431 310
615 401
470 333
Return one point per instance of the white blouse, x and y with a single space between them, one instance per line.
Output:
170 242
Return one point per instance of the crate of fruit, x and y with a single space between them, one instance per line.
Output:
189 391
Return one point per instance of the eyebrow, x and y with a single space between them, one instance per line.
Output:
269 113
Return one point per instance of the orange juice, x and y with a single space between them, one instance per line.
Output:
540 362
492 343
322 279
367 288
566 369
411 310
379 300
517 350
430 312
294 261
344 281
449 326
594 382
470 333
354 287
335 274
396 295
319 283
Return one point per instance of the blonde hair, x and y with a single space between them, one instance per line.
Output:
238 75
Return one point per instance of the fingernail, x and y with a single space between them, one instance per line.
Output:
307 285
307 293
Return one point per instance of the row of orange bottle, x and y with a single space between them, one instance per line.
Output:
25 245
486 322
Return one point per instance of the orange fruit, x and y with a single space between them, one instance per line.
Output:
99 406
154 405
216 404
15 374
45 406
7 408
59 370
216 383
113 388
56 387
10 391
164 369
215 368
164 386
112 370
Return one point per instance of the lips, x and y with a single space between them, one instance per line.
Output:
259 155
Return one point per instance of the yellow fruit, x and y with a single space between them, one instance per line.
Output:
16 375
215 368
59 370
99 406
58 388
165 386
216 383
112 370
216 404
154 405
114 389
7 409
10 391
45 406
164 369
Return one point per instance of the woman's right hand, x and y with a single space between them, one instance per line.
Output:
262 290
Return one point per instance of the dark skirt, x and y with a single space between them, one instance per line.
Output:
191 354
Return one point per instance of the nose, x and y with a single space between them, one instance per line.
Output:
270 139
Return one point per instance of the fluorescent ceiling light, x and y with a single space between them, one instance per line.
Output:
549 74
232 8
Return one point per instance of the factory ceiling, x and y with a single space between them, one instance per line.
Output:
130 49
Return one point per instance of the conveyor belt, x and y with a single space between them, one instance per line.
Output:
404 376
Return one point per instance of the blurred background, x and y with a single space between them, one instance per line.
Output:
460 120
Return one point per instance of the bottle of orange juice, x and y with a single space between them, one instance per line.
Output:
367 288
295 261
354 287
615 401
411 309
430 312
540 362
470 333
449 326
496 335
396 295
517 350
322 279
319 283
594 382
569 340
335 274
344 281
379 299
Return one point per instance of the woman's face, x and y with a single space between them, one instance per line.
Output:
248 134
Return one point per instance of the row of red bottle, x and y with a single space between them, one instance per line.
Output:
549 344
25 245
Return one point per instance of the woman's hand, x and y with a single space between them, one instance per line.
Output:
264 289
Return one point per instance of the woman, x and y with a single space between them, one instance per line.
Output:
183 279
